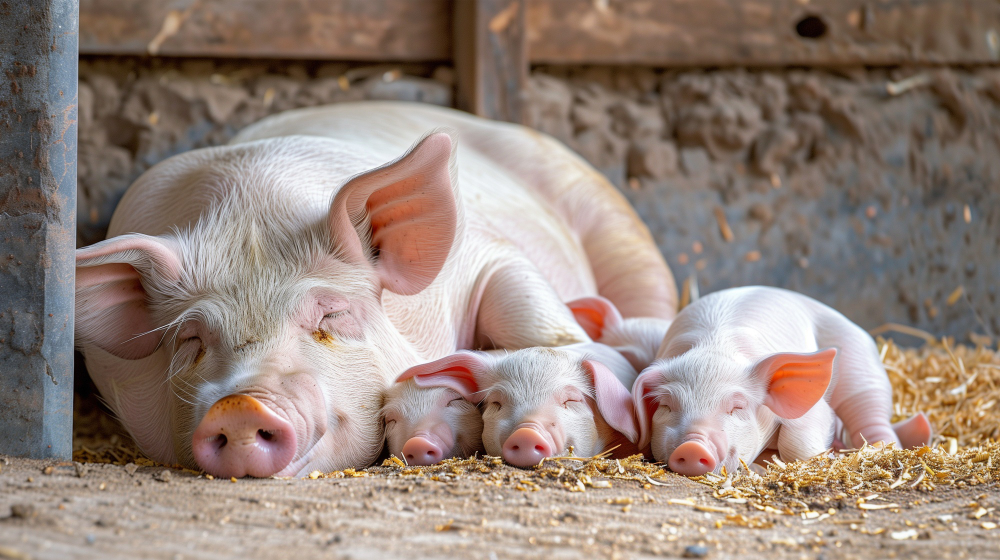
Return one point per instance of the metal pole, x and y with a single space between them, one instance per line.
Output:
38 113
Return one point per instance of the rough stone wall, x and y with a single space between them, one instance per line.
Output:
884 204
881 205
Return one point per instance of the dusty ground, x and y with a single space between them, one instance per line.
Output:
103 511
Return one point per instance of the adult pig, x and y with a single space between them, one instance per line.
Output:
253 300
539 402
747 369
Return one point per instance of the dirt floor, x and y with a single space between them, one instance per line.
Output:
934 503
107 511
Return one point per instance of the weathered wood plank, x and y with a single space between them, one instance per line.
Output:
400 30
38 113
763 32
647 32
490 59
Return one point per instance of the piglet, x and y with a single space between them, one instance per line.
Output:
637 339
755 368
426 425
539 402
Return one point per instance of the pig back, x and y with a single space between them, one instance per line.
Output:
520 189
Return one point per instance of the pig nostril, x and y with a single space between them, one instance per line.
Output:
704 461
515 448
222 441
681 460
265 435
431 452
540 448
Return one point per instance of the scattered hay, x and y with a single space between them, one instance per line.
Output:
958 387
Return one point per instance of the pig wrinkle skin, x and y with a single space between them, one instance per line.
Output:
438 414
228 271
705 370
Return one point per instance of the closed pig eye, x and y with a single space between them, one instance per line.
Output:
571 400
738 402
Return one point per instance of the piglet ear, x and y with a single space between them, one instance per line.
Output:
113 282
457 372
645 403
795 382
613 400
402 216
595 314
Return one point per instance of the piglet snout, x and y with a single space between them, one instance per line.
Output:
526 447
240 436
421 451
691 458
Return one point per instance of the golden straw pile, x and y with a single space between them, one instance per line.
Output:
958 387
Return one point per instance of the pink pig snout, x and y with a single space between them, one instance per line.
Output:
527 447
240 436
424 450
692 458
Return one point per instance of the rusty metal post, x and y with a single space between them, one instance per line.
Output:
38 113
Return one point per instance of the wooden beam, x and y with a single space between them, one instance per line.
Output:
646 32
38 57
384 30
763 32
491 65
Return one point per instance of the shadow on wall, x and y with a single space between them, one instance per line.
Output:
883 202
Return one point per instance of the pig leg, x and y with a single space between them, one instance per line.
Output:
519 309
863 395
807 436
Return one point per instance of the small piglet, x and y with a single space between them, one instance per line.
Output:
426 425
539 402
754 368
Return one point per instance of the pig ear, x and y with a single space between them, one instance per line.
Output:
613 400
645 403
595 314
457 372
795 382
402 216
113 278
